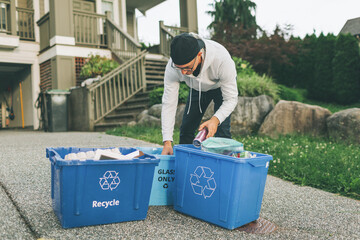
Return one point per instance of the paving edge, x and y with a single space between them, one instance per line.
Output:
26 221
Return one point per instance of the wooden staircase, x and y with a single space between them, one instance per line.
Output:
127 112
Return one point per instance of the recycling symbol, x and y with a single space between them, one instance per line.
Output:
110 180
202 181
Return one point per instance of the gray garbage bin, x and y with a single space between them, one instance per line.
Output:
57 110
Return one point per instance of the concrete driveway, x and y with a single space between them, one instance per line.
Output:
26 212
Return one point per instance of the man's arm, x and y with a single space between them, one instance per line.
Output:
169 106
229 90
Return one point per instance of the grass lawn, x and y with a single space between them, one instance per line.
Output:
308 161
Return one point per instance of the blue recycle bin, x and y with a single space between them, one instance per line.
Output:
93 192
164 178
219 189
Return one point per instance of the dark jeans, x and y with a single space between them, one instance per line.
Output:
191 121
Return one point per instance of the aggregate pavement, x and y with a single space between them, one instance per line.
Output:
26 210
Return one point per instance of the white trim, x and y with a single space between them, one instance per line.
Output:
122 17
46 6
36 6
98 6
9 41
116 12
35 90
70 51
26 53
50 53
62 40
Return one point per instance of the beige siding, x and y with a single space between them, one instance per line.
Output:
42 7
63 72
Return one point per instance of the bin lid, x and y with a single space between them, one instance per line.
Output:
57 91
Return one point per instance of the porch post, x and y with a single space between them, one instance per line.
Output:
122 15
131 23
13 23
188 15
61 22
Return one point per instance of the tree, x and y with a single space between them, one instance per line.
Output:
239 13
321 86
306 61
346 67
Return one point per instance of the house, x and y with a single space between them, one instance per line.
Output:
352 26
44 43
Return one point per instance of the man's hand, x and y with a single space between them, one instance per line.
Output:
211 125
167 150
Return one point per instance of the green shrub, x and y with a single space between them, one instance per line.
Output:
254 85
183 93
242 66
346 69
305 63
156 94
97 66
291 94
320 89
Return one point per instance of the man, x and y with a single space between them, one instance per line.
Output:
207 68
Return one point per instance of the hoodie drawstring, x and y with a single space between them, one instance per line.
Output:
190 97
200 96
191 86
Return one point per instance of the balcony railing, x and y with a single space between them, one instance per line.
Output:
89 29
167 33
25 20
24 17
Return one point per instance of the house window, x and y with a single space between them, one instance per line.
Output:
3 18
107 6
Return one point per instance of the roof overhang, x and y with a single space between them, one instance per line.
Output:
142 5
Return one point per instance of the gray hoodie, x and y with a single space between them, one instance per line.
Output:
218 70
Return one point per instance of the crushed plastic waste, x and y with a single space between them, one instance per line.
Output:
244 154
103 154
221 145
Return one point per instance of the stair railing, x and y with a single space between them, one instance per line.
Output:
120 42
117 87
167 34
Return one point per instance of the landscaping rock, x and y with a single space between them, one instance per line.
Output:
294 117
209 112
131 124
142 114
148 120
249 114
246 118
345 125
155 110
179 115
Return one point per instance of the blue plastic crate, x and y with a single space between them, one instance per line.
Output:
219 189
99 192
164 177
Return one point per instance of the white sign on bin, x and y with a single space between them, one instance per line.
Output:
202 181
110 180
